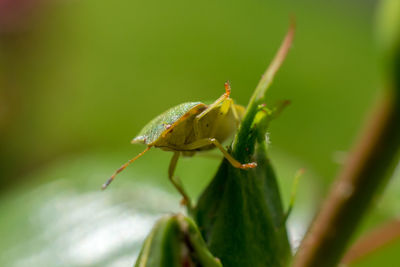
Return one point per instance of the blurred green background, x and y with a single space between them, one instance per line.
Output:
78 80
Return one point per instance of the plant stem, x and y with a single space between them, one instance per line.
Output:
368 168
351 195
374 240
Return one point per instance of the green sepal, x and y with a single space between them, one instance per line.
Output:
241 217
175 241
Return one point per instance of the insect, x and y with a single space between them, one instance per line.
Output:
188 128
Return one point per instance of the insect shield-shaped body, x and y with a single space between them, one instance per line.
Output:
188 128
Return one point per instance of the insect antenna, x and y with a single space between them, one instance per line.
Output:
108 182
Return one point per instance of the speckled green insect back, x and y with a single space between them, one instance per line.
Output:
188 128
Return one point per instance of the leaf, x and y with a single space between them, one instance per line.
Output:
175 241
242 218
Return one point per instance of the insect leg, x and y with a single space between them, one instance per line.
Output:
108 182
212 106
235 114
212 141
176 182
216 102
223 112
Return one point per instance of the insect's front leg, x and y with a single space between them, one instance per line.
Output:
212 141
222 113
226 105
235 114
211 107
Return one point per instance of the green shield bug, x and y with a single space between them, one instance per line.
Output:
188 128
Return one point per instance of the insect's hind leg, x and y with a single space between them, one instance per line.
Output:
176 182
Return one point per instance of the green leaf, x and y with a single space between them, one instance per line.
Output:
175 241
241 216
